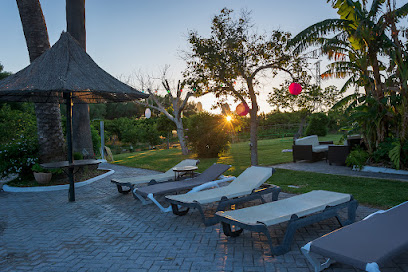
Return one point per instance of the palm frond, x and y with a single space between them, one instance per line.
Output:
375 8
310 35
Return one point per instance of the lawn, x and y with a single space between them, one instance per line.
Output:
373 192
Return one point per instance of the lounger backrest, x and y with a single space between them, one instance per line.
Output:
212 172
188 162
309 140
252 178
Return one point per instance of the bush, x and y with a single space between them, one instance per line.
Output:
207 135
18 156
357 158
15 123
133 131
96 139
317 124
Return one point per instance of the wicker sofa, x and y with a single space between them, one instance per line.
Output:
309 148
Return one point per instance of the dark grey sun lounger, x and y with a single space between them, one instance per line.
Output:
367 244
205 180
131 182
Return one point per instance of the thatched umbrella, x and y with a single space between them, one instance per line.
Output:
65 73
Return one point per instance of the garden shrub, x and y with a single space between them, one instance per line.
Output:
207 135
15 123
133 131
317 124
357 158
96 139
18 156
381 154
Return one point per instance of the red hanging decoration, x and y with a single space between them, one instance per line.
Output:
295 88
242 109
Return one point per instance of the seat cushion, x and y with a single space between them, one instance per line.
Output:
320 148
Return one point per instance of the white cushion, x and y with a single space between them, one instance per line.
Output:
320 148
309 140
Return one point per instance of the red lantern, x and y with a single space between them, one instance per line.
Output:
295 88
242 109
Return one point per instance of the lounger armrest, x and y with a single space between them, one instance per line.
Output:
326 142
256 194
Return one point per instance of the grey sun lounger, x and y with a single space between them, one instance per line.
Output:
130 182
205 180
366 244
247 186
299 211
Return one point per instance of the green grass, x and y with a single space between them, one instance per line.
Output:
372 192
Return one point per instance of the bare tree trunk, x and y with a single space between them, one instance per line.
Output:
82 137
181 137
49 130
253 142
168 140
253 132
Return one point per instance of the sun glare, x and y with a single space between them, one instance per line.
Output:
228 118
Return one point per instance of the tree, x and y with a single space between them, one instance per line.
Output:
311 99
232 60
178 106
358 45
49 130
3 74
82 137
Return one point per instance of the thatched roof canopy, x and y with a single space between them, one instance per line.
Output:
65 68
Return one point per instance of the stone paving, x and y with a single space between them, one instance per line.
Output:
107 231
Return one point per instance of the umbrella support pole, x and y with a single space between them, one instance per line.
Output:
71 192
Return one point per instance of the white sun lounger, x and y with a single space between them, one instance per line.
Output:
366 245
247 186
298 211
130 182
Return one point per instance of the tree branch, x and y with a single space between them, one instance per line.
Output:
185 101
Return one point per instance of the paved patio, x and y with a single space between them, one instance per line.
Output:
106 231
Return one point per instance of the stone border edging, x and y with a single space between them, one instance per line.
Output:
375 169
11 189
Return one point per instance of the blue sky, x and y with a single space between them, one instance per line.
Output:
127 36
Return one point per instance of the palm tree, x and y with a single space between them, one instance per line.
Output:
360 38
49 130
82 138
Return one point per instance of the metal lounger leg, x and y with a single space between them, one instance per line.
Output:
163 209
137 196
313 261
120 189
176 211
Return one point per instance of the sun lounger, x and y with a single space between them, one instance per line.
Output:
205 180
247 186
298 211
130 182
366 244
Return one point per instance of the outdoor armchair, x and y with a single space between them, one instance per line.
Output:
309 148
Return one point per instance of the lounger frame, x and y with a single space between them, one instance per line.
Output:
151 198
294 223
225 202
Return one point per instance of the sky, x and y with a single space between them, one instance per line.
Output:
125 37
